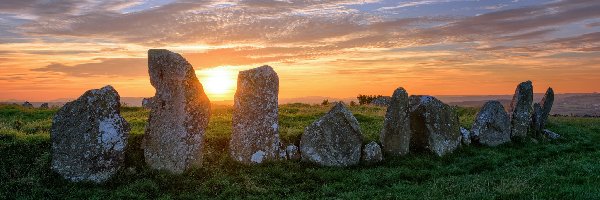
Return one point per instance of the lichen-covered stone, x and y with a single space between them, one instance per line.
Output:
293 153
520 109
255 136
541 111
550 135
372 153
333 140
89 137
282 152
179 114
395 135
434 126
492 125
466 136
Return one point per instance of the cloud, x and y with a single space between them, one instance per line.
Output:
124 67
500 23
413 3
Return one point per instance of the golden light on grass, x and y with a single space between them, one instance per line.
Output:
219 82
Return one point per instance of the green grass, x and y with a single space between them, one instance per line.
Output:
567 168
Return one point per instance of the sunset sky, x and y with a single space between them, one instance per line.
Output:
339 48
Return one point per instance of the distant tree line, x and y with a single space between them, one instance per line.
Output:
366 99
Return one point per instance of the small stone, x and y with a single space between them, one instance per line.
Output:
255 116
541 111
551 135
333 140
282 152
466 136
179 114
89 137
520 109
27 105
372 153
492 125
293 153
395 135
434 126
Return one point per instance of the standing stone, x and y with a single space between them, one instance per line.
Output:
434 126
89 137
541 111
466 136
27 105
520 109
179 114
44 106
372 153
333 140
255 137
395 135
292 151
492 125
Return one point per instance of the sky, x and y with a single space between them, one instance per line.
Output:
51 49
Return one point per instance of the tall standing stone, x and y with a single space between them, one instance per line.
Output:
255 136
492 125
333 140
89 137
395 135
541 111
434 126
179 114
520 109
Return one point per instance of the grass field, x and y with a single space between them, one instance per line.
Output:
567 168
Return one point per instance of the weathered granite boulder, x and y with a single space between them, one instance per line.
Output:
372 153
395 135
147 102
541 111
293 153
333 140
27 104
179 114
434 126
255 136
381 101
466 136
520 109
492 125
89 137
550 135
44 106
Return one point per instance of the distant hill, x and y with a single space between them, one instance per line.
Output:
564 104
577 104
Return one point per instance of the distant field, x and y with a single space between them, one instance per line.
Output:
567 168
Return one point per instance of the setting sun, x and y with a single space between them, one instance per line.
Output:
218 82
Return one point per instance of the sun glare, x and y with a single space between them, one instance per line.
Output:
218 82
